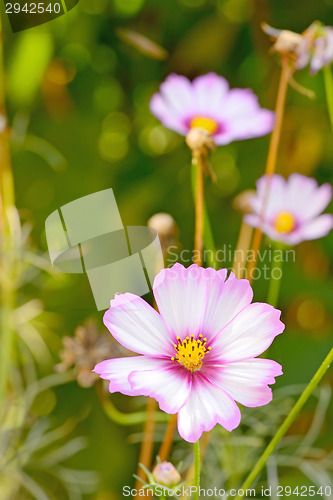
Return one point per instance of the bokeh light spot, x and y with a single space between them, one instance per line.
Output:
128 7
113 146
108 96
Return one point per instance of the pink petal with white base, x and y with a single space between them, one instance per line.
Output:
318 227
117 371
169 385
177 92
249 334
246 381
209 92
226 300
207 406
137 326
318 202
159 108
181 296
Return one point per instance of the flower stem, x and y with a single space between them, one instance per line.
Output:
7 246
124 418
286 73
287 423
196 469
328 79
199 212
275 282
242 248
166 445
147 446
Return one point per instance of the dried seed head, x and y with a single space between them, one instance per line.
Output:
200 142
87 348
288 44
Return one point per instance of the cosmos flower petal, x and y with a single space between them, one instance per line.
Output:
318 227
170 385
275 186
137 326
246 381
226 300
117 371
318 202
207 406
249 334
247 127
299 191
181 296
209 92
177 92
160 109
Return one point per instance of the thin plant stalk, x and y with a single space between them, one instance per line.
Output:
7 253
197 465
286 73
328 80
147 446
166 445
275 282
287 423
242 247
199 212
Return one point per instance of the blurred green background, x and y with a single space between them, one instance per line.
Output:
77 99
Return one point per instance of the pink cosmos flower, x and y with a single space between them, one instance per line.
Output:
293 208
208 103
198 355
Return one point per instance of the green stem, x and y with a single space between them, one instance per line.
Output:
125 418
287 423
196 469
275 279
328 79
7 249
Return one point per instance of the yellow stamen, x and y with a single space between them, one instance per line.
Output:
206 123
284 222
190 352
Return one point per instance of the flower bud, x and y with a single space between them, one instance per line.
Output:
166 474
166 228
241 202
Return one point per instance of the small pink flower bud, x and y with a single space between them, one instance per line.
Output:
166 474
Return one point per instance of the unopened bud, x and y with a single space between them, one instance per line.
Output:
241 202
166 474
166 228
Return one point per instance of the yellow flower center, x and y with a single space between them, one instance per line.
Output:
284 222
190 352
206 123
